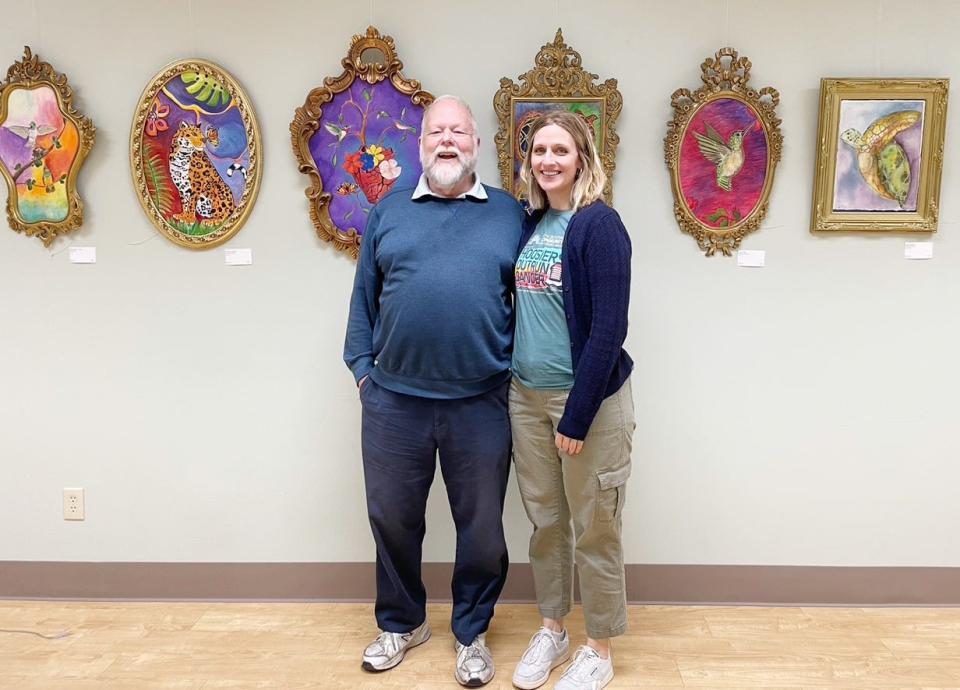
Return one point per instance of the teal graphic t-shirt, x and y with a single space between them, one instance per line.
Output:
541 344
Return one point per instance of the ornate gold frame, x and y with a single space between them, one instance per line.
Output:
726 75
254 170
832 91
307 118
558 76
30 73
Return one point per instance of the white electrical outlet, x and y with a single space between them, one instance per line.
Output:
73 504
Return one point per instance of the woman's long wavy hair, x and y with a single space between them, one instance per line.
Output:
591 178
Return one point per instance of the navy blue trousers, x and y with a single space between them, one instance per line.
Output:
401 437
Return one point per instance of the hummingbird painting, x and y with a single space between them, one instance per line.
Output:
727 155
30 134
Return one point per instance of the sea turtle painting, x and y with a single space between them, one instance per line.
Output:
881 173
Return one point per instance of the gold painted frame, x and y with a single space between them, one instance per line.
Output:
824 216
31 73
557 80
724 76
307 122
217 77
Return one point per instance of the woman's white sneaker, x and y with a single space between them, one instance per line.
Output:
546 651
588 671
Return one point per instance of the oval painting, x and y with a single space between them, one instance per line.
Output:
366 146
195 154
723 163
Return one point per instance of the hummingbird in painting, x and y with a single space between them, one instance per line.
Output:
727 155
30 134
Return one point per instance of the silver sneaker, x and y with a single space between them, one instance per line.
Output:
587 672
388 649
474 663
544 653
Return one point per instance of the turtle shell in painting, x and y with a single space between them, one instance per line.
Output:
724 163
195 154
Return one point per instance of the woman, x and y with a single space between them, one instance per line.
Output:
571 406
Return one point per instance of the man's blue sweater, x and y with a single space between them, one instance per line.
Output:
432 307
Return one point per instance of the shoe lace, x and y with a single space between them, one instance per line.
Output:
540 644
390 642
584 664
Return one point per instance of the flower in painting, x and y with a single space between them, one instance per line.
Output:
353 164
389 169
367 160
155 121
347 188
377 153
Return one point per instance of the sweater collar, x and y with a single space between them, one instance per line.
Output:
476 191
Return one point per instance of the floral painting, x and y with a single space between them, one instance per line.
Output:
367 145
525 113
723 163
43 141
357 138
878 155
196 159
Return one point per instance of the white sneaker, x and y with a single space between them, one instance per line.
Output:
474 663
388 649
546 651
587 672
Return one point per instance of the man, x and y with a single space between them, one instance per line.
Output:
429 340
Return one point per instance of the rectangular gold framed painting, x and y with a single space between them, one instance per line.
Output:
557 82
880 155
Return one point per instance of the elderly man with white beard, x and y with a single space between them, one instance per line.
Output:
429 342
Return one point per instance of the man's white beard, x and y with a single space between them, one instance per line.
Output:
447 174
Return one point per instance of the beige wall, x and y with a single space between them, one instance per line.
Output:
798 414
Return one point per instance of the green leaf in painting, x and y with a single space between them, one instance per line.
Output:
736 214
333 161
724 222
366 96
346 216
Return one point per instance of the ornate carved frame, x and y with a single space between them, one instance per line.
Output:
726 75
30 73
832 91
307 118
245 205
558 76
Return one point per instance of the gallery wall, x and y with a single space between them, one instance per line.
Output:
796 414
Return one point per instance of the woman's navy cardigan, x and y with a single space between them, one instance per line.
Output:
596 295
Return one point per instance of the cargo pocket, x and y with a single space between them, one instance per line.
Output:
611 492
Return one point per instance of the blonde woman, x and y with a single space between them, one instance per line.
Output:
571 407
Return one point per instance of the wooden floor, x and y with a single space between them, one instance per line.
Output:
142 646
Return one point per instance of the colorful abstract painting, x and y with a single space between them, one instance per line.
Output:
196 154
525 113
43 142
723 163
878 155
37 147
367 145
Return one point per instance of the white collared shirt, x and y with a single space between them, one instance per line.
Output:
476 191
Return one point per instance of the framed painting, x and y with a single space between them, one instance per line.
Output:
557 82
722 148
357 137
43 143
880 154
195 154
